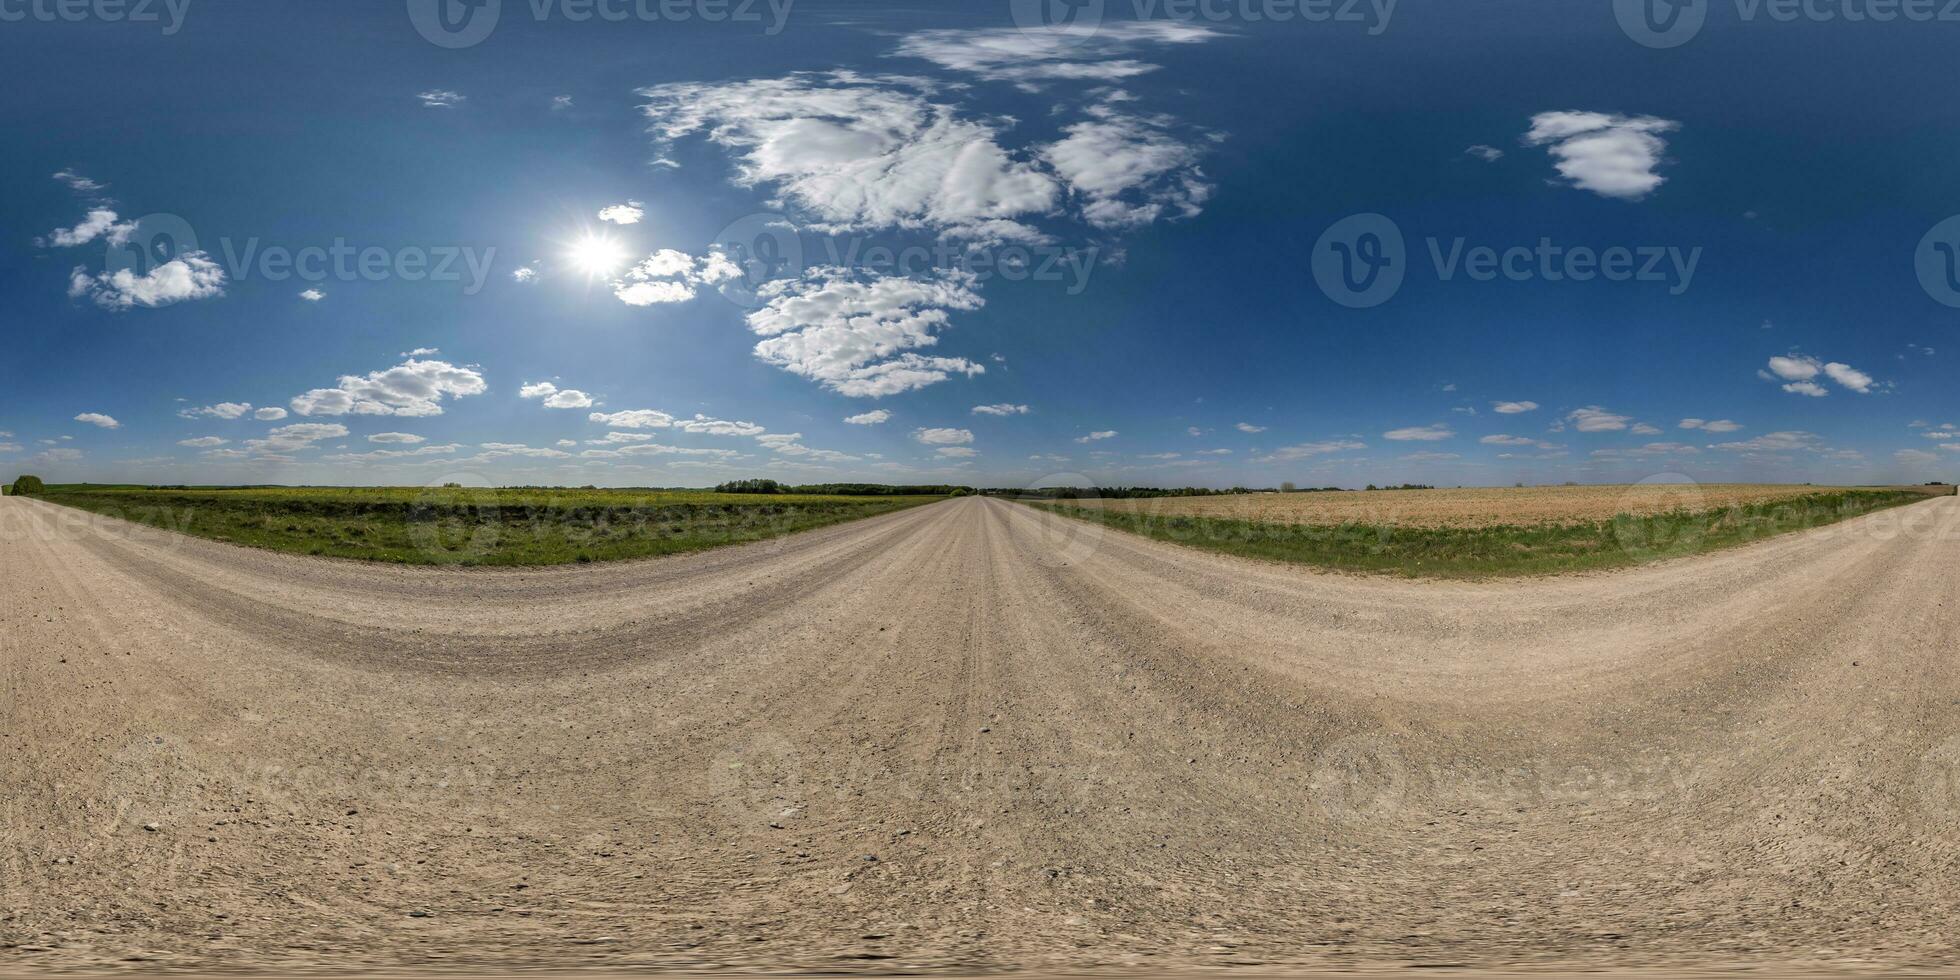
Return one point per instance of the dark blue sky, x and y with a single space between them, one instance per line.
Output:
1171 180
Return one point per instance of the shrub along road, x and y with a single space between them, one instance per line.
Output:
973 735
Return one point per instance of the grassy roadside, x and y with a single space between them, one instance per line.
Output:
457 526
1504 550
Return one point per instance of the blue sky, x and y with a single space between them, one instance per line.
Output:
307 243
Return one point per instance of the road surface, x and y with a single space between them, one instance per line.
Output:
972 737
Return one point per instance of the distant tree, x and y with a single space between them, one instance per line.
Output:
750 486
1287 487
26 486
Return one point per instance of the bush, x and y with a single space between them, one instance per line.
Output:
750 486
28 485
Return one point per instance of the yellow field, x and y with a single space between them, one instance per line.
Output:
1482 507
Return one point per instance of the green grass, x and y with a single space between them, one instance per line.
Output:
1505 550
454 526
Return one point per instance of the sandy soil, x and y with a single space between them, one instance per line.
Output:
1473 507
975 737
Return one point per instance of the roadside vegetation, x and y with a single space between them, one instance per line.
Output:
1501 547
454 525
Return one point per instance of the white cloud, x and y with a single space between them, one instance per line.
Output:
1643 429
98 419
99 223
672 276
1419 433
629 213
1098 436
438 98
1610 155
1849 377
789 444
407 438
958 452
312 295
1035 54
1593 418
381 455
862 152
1795 367
877 416
413 387
1004 408
191 275
1306 450
54 456
524 274
639 418
703 425
222 410
203 442
78 183
943 437
1509 440
1513 408
1809 388
1128 170
554 396
1488 154
854 333
1249 427
1915 457
296 437
1710 425
269 414
1775 442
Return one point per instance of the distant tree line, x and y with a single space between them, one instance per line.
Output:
845 489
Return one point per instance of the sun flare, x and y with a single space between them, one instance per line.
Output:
597 256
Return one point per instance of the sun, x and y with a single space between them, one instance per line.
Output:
597 256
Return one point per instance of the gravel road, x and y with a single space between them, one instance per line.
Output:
974 737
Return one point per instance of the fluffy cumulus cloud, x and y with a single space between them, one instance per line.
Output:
1098 436
414 388
1308 450
98 419
629 213
943 437
638 418
1593 418
703 425
1248 427
1513 408
398 438
1711 425
1004 408
222 410
857 333
269 414
791 444
1777 442
1419 433
1034 55
861 152
672 276
98 223
1127 170
554 396
203 442
1800 375
191 275
876 416
1610 155
312 295
296 437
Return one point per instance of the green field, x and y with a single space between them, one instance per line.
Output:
459 526
1504 549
